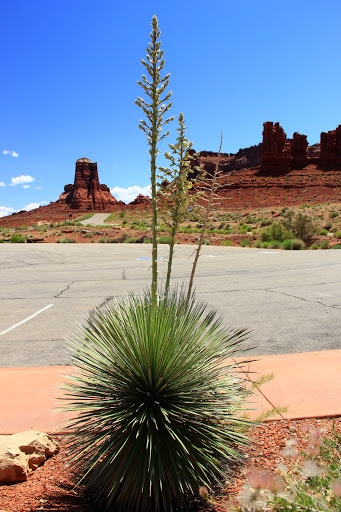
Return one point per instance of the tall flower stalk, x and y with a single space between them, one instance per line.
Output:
175 189
154 106
209 187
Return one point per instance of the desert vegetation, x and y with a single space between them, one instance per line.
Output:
260 228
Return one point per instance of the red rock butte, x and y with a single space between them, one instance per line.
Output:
87 193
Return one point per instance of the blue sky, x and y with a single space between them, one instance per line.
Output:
69 72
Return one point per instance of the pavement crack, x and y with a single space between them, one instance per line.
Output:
64 290
302 298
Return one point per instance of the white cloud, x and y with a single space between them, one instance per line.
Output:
32 206
130 193
2 184
19 180
38 188
26 186
5 210
8 152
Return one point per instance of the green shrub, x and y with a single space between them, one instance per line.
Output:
275 244
300 225
328 225
314 247
102 240
88 235
337 234
163 412
131 240
324 244
276 231
336 246
227 242
244 228
333 214
258 244
164 239
297 244
245 242
266 222
17 238
323 232
287 244
147 240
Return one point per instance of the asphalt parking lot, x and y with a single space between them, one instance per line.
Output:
290 300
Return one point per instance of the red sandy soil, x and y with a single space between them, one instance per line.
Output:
52 486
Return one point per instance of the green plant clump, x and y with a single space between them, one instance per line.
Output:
276 231
324 244
245 242
17 238
162 410
300 225
275 244
333 214
297 244
164 239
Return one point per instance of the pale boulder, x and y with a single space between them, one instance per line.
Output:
22 453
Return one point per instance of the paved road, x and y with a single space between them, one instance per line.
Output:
96 220
291 300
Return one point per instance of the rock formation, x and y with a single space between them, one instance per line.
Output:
276 154
276 150
330 154
87 193
22 453
299 146
141 199
244 159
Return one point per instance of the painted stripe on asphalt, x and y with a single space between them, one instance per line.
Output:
26 319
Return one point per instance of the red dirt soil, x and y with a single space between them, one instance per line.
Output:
52 486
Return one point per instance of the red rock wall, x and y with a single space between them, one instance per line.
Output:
330 155
276 150
299 146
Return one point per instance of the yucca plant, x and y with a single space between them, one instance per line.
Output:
159 406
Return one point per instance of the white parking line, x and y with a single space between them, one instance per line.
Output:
26 319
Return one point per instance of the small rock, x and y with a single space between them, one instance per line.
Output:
22 453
